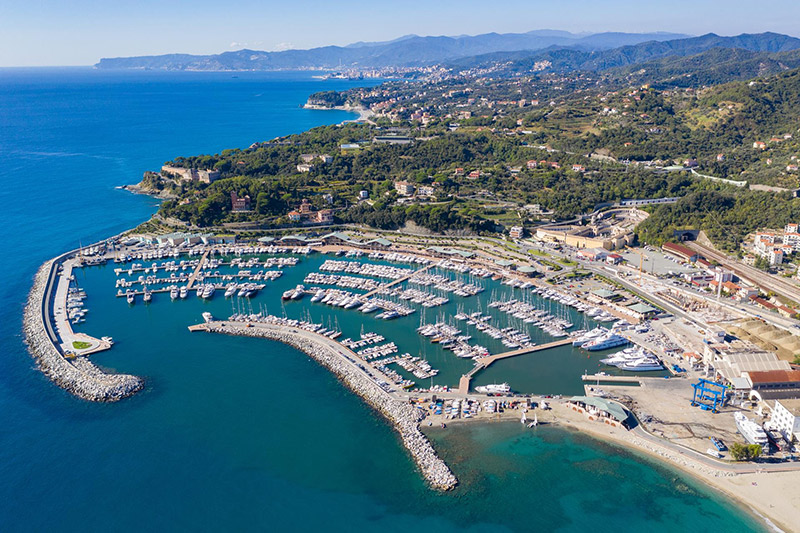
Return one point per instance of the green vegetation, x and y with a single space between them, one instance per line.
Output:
81 345
593 144
328 99
745 452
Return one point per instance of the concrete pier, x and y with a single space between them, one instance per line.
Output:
489 359
483 362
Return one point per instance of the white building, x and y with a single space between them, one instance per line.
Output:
775 256
404 188
515 232
785 421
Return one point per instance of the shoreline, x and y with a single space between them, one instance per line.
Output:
78 376
403 417
364 114
136 189
768 495
759 500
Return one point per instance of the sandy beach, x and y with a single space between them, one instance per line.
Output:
773 496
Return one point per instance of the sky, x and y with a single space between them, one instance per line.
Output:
80 32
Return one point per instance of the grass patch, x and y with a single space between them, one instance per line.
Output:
576 274
81 345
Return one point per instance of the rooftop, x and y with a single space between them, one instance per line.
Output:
604 293
612 408
678 249
642 308
451 251
775 376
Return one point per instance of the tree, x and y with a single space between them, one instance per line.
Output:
745 452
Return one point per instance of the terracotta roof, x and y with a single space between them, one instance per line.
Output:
679 249
775 376
763 303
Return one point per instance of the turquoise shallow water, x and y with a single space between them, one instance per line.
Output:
236 433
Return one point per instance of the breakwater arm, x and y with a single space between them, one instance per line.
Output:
79 376
404 418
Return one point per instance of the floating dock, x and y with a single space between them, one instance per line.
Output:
397 281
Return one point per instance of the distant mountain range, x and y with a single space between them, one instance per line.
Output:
410 50
571 58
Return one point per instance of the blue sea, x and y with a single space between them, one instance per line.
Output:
234 433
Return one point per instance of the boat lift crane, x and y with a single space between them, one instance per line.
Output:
709 395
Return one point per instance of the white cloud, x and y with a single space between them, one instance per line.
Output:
280 47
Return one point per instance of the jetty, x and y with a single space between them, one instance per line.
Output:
397 281
483 362
489 359
197 270
77 375
607 377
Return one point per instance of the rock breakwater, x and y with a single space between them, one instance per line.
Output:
78 376
404 417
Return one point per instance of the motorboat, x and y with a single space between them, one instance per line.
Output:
501 388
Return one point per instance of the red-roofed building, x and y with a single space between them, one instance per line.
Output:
761 302
702 263
680 251
784 383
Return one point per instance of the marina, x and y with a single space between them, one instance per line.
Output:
482 315
207 412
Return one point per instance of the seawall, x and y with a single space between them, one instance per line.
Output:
78 376
404 418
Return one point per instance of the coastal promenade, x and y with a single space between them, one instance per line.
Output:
405 418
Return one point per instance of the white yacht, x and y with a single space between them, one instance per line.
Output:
502 388
750 430
319 295
231 290
148 295
609 340
589 336
208 317
173 293
644 364
183 293
131 296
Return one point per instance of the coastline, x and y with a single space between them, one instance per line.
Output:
762 500
78 376
403 417
137 189
764 494
364 114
